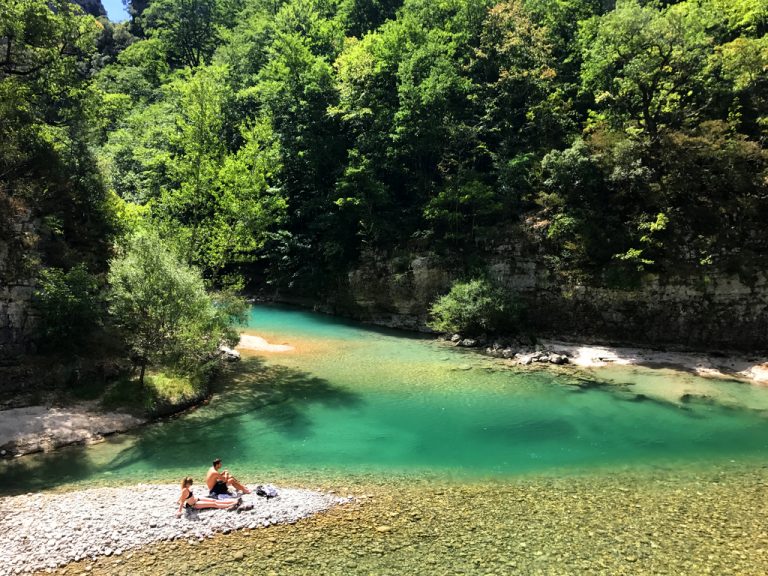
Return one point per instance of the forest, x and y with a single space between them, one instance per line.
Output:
268 144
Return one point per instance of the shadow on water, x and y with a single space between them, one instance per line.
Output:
42 471
277 396
280 396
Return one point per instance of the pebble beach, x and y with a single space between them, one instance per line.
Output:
46 530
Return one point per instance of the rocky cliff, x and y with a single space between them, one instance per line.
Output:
18 239
93 7
715 310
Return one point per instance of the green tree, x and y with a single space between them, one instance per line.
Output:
523 101
187 29
362 16
138 72
296 88
715 192
743 63
738 17
163 309
645 66
47 115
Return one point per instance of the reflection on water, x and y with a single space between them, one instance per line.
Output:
351 400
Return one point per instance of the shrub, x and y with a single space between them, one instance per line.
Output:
472 308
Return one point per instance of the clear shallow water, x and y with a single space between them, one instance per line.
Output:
354 400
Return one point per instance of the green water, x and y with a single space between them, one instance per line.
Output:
354 400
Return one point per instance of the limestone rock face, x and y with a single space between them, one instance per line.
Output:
718 310
392 292
17 285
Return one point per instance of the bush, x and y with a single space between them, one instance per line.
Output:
472 308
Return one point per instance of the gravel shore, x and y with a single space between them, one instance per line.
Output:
665 521
44 531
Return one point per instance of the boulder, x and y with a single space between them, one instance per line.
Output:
467 343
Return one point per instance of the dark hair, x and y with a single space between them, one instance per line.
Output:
217 461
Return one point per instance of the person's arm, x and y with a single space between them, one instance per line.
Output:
182 499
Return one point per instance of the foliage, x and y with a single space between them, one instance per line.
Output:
646 65
280 140
472 308
69 307
46 110
186 29
162 307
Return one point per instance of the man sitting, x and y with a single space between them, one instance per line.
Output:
219 482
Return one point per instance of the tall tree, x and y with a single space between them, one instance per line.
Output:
162 307
645 65
47 112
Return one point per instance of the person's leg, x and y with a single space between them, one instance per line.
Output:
232 481
211 503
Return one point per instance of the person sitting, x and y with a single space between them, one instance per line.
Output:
188 500
219 482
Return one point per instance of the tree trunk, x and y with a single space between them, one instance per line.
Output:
141 374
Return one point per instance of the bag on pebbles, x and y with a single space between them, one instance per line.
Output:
266 490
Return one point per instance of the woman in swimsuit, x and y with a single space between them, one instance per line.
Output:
188 500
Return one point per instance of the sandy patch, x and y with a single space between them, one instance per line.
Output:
259 344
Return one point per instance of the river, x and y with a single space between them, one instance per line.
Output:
430 437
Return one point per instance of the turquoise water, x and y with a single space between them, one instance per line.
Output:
354 400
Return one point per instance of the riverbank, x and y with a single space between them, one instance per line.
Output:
753 369
48 530
42 428
657 521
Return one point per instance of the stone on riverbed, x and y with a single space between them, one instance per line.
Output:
558 359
